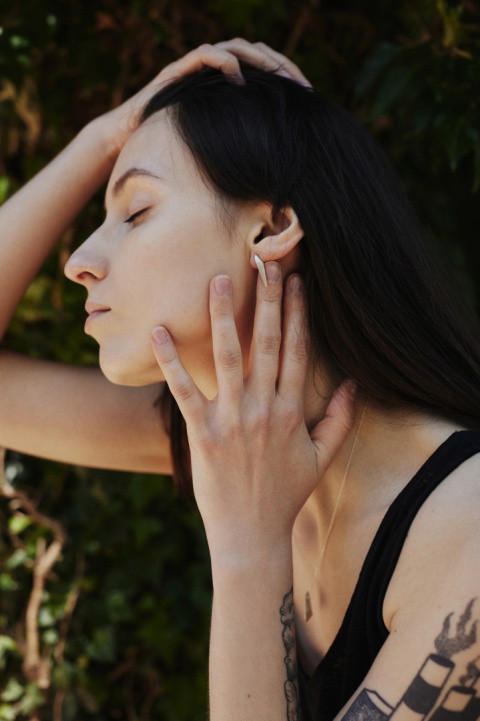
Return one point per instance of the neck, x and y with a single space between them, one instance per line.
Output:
389 446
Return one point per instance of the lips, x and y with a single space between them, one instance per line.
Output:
91 307
94 310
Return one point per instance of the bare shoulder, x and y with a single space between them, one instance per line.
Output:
429 666
440 553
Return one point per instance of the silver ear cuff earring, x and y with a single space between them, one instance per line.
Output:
261 269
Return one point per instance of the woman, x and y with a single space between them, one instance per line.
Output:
314 453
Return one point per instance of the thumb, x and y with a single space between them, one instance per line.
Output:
331 432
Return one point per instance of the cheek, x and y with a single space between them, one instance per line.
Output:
150 289
167 274
162 278
164 293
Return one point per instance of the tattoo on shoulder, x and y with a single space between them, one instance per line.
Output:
429 693
287 617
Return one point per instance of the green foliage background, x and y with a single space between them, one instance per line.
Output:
134 563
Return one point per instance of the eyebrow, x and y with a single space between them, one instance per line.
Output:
131 173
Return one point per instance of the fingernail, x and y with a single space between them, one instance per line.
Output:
273 272
160 335
239 79
284 74
223 285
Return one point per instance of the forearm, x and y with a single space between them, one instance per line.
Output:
253 670
32 221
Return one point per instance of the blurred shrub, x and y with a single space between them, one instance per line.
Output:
123 612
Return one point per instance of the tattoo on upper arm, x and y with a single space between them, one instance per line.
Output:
287 617
429 693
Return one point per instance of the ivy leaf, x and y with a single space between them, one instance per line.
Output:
19 523
17 558
392 90
13 691
375 64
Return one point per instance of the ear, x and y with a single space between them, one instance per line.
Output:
279 236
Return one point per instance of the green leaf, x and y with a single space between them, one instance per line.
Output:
13 691
8 712
45 617
7 582
4 188
19 523
17 558
16 41
32 699
454 137
144 528
374 65
50 636
102 647
6 644
393 87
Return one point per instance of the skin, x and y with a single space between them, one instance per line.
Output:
165 256
242 377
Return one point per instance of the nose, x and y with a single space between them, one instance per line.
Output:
86 263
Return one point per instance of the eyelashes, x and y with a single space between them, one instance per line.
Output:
135 215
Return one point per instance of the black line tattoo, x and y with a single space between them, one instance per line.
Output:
460 703
287 617
473 673
448 646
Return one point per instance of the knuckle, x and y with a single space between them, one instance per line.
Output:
299 350
234 429
261 421
273 293
169 359
293 416
204 48
221 307
184 391
229 359
269 343
204 439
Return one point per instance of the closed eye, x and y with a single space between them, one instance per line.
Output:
135 215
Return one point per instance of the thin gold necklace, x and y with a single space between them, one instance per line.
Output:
308 604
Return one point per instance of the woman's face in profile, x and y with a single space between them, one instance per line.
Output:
150 263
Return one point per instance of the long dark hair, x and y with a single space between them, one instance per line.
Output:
379 309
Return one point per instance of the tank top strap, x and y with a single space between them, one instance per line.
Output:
363 632
380 563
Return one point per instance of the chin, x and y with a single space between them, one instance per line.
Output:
124 371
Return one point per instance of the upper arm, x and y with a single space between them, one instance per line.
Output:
431 659
75 415
431 665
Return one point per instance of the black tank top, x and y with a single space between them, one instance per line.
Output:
363 632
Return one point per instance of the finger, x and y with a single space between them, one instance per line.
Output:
190 400
266 341
295 345
331 432
204 56
263 56
285 63
227 351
